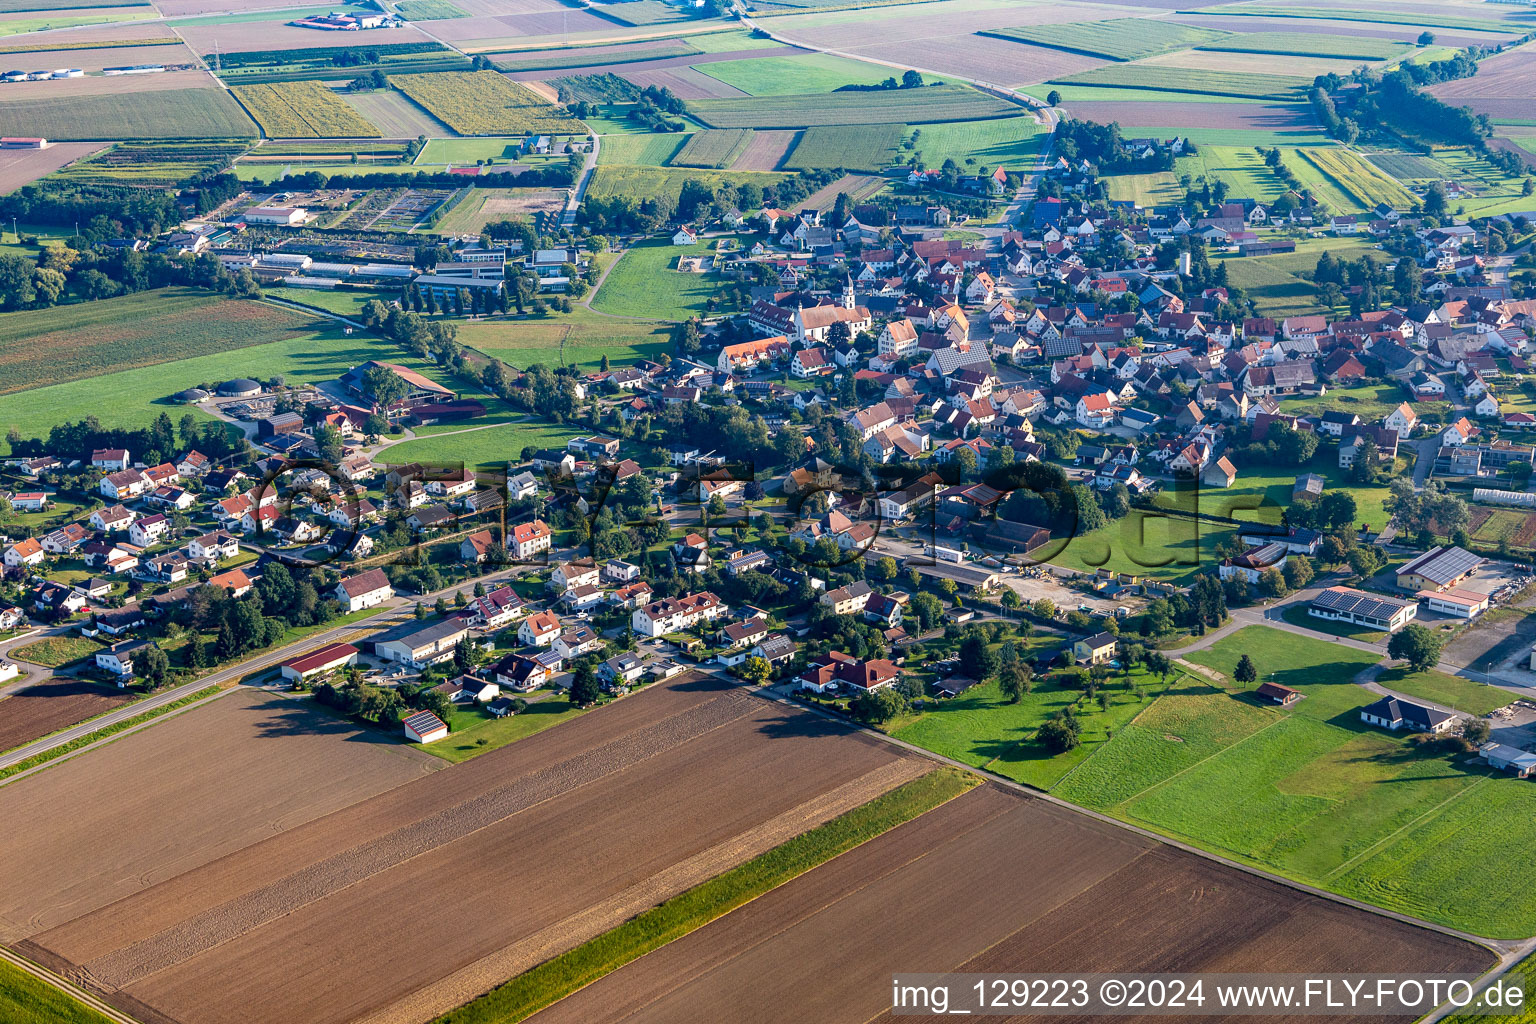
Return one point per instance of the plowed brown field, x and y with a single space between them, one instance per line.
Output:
38 710
411 902
995 882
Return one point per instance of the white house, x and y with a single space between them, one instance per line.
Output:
365 590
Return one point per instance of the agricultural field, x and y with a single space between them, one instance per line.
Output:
1308 44
20 167
1094 899
73 342
1501 88
27 6
215 775
484 103
651 150
594 56
713 150
490 205
914 106
1012 142
27 999
645 283
852 147
296 110
132 398
1241 167
332 63
646 12
1346 182
803 73
1122 39
1384 16
579 339
1202 82
691 778
68 19
47 707
185 113
640 182
428 10
1409 166
1310 792
394 114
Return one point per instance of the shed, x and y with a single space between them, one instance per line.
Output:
424 727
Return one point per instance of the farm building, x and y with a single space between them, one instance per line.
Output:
418 646
1395 713
1520 763
18 142
1463 604
1438 569
424 727
1277 694
1343 604
284 216
319 661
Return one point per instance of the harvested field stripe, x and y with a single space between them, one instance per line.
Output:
557 937
555 979
37 760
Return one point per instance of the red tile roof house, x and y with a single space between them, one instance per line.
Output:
839 669
319 661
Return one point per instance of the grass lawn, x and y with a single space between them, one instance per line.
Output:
344 301
28 1000
57 651
559 977
493 446
1155 546
1155 189
644 283
1297 615
1314 794
474 732
1445 689
1261 493
575 339
981 728
439 152
1281 285
802 73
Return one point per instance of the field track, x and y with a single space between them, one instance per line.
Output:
993 881
586 824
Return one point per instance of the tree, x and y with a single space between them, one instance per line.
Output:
1475 731
1015 681
881 705
1053 98
1060 732
911 80
977 658
1426 39
1245 672
584 689
1272 583
756 671
152 665
1298 572
1418 645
